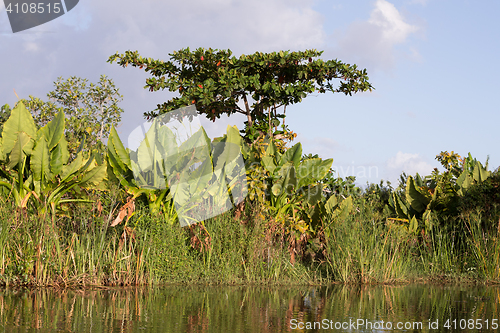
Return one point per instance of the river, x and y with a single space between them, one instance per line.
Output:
175 308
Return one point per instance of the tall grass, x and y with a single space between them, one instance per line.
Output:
38 251
221 250
484 245
146 249
366 247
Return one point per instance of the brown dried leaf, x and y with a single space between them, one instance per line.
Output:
127 210
119 218
99 208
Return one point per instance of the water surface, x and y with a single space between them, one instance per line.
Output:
419 308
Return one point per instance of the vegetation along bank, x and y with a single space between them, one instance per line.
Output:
74 212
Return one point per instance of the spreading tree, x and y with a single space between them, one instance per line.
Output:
90 109
255 85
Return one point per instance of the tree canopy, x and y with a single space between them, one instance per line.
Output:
219 83
90 109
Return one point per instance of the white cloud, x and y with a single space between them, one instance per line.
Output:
409 163
243 26
386 17
372 43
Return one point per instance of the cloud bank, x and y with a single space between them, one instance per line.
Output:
409 163
373 43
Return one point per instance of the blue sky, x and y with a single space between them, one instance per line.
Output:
433 64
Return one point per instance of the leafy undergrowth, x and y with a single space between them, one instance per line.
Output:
364 247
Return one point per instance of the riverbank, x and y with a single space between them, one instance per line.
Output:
364 247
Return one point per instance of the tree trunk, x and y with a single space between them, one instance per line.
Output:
247 107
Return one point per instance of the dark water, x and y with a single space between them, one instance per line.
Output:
419 308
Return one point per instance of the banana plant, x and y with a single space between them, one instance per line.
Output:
120 171
200 178
426 198
415 204
17 141
339 208
35 164
473 173
293 187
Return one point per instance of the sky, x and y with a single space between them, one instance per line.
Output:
433 63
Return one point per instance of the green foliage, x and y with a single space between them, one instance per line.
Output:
91 110
120 171
195 171
340 186
339 208
484 196
424 202
216 82
377 195
35 165
4 115
297 206
288 186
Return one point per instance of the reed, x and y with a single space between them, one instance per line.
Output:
39 251
363 248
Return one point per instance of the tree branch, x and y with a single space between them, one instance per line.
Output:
247 107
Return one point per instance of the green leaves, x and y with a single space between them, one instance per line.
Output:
47 178
54 130
292 155
473 173
59 156
216 81
40 161
23 145
20 121
185 167
90 109
312 170
415 198
119 160
339 209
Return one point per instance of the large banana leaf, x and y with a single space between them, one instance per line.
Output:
59 156
312 170
294 154
229 154
287 183
479 173
414 197
170 149
94 175
54 130
150 155
116 148
40 161
23 145
70 170
20 120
